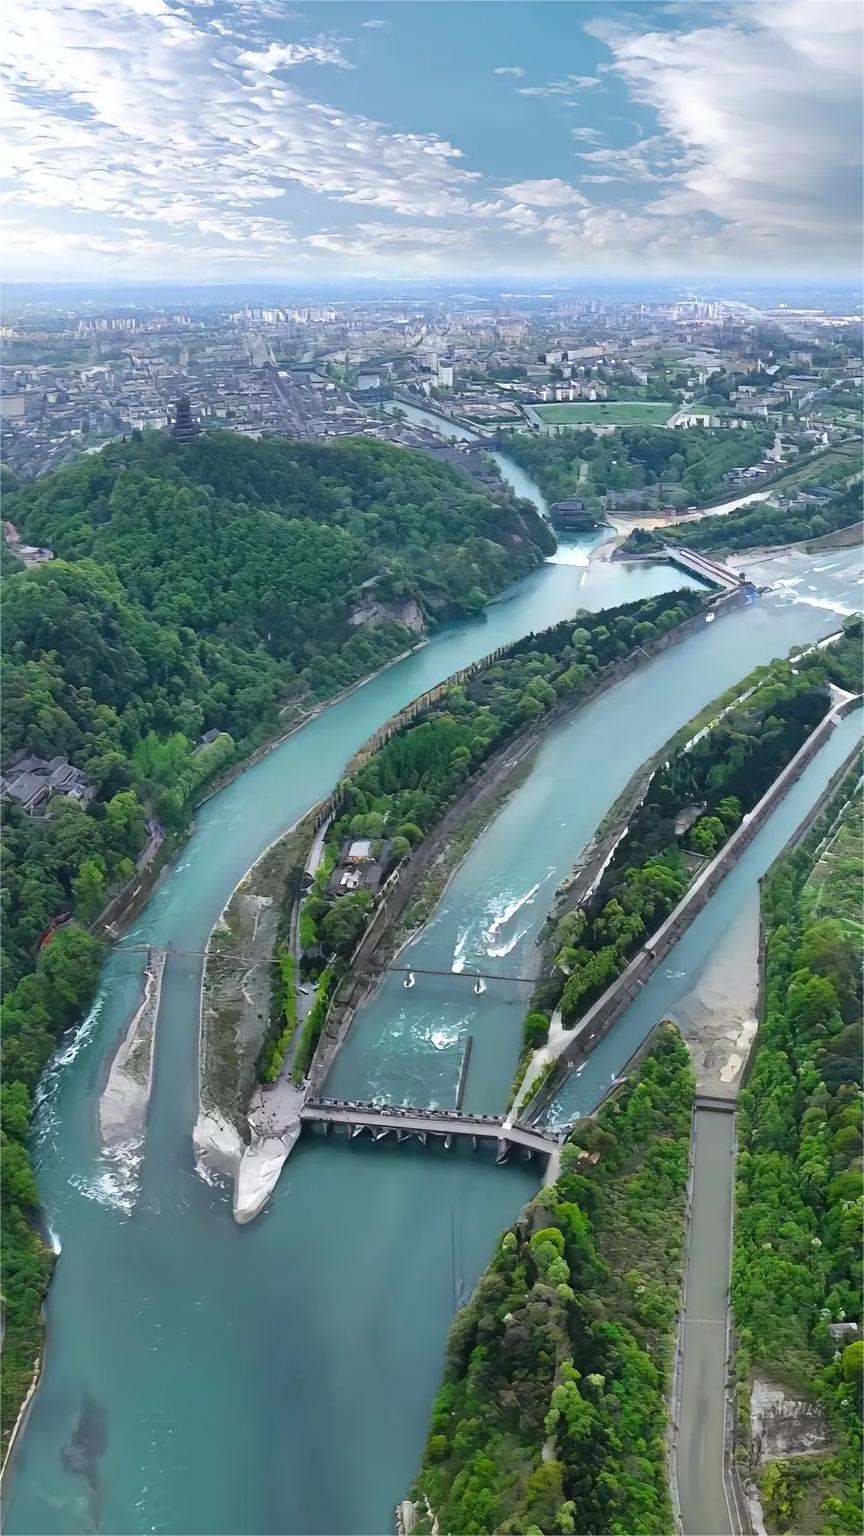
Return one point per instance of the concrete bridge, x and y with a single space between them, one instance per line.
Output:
382 1119
700 566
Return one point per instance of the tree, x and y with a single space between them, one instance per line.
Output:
340 930
535 1030
17 1182
707 835
88 889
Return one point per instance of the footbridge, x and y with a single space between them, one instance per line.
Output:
406 1122
700 566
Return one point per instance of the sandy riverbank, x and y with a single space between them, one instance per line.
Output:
126 1096
718 1018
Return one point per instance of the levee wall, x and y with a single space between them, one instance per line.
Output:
608 1008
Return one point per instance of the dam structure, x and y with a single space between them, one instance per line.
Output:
407 1121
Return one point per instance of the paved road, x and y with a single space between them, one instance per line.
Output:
701 1450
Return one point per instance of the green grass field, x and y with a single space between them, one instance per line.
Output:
607 413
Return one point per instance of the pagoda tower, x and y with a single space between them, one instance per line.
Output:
185 426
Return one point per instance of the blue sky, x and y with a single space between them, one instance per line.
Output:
225 139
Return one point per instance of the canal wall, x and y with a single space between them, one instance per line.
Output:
600 1017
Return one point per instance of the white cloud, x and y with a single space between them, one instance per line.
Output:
153 136
572 85
653 159
141 113
551 193
761 117
288 55
375 22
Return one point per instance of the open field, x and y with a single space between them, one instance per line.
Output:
606 413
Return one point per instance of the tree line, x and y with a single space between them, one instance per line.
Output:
689 463
798 1227
750 527
693 803
552 1413
398 795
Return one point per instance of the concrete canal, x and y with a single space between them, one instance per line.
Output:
706 1508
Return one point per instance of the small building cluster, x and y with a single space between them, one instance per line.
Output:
571 513
32 782
28 554
359 867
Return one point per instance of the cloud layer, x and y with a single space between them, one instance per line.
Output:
154 139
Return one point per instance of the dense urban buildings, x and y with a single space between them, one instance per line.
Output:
78 375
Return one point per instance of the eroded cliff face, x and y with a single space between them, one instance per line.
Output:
373 613
784 1424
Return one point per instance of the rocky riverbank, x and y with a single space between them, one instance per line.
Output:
236 996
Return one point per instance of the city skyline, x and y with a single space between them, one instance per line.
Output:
230 142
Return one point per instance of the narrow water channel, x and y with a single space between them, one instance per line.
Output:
701 1460
277 1378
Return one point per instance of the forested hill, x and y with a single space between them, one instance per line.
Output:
271 546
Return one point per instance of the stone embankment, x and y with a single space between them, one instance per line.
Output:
126 1096
600 1017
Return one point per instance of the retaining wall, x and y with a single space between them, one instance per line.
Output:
608 1008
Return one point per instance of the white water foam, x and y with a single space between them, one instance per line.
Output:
443 1040
497 952
569 554
458 964
116 1184
783 591
503 917
45 1113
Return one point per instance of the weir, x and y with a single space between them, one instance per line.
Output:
698 565
408 1120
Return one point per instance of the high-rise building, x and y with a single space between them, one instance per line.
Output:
185 426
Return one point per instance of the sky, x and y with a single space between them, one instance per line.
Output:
226 139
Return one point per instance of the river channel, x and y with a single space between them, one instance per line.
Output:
278 1377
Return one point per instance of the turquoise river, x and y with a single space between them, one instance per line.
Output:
278 1377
